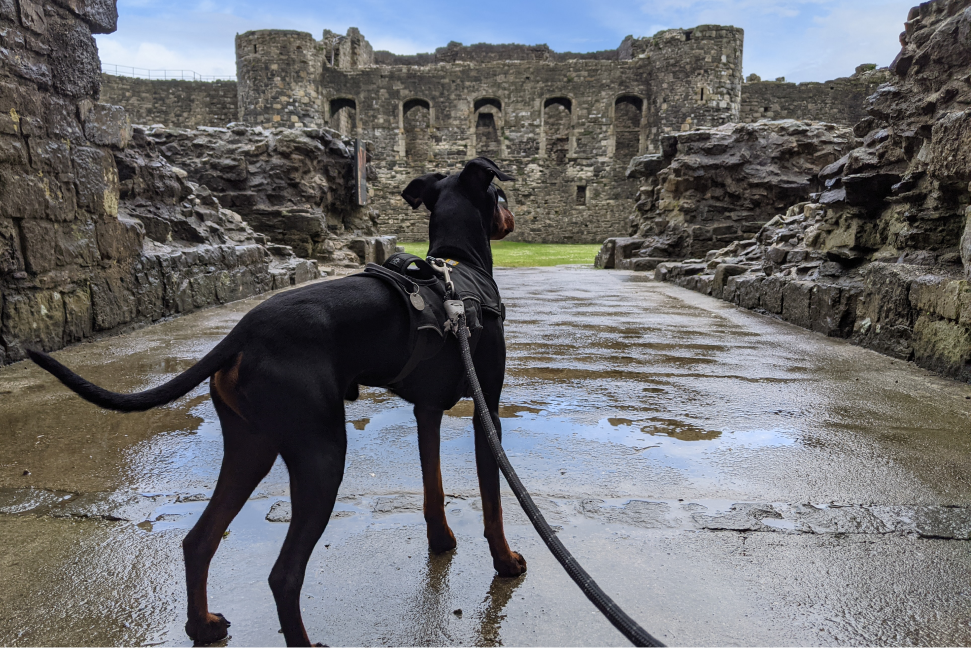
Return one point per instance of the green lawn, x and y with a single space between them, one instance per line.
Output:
513 254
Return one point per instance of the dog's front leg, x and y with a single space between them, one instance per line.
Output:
440 537
506 561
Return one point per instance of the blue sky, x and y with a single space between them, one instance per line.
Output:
802 40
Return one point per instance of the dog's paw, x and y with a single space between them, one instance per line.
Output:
441 541
214 628
511 566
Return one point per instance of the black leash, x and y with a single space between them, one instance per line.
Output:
621 620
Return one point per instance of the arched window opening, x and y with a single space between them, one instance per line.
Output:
343 116
627 127
417 122
556 128
488 112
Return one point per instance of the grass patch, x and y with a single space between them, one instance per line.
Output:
515 254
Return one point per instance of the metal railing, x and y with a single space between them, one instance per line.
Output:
161 75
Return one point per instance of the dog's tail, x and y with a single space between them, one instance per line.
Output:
141 401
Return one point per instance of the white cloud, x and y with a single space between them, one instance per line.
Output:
157 57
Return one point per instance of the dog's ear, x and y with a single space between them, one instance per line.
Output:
479 173
414 193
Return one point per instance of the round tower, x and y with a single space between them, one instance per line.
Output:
276 72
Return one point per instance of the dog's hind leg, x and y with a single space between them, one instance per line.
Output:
247 458
315 459
440 537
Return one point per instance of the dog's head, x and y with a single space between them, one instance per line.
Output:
467 210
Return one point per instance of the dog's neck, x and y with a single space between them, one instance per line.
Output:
479 256
462 238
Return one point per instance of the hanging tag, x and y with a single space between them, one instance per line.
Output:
417 301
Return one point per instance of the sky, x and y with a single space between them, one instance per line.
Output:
801 40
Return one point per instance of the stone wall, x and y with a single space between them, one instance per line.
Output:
566 127
881 254
76 258
184 104
839 101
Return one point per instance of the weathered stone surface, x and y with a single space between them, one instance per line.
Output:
293 186
100 15
107 125
75 67
38 241
717 185
77 253
839 101
882 253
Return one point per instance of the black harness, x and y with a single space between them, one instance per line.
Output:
424 291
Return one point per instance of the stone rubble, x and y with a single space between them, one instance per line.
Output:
716 185
881 253
295 186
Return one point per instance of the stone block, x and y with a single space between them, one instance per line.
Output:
75 66
32 16
149 289
60 118
966 243
78 315
203 288
13 151
23 194
772 294
96 181
605 257
748 290
11 256
38 238
8 10
113 299
722 272
227 286
107 125
796 299
942 346
32 318
730 291
101 16
119 238
833 310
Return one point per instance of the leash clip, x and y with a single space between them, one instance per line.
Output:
455 309
439 266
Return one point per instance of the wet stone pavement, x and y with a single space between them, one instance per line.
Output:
728 478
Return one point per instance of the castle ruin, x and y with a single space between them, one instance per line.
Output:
566 125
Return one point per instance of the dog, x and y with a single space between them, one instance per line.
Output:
279 380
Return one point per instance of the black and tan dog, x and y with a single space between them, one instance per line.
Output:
279 380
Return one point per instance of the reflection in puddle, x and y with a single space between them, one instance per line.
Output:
490 620
679 430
